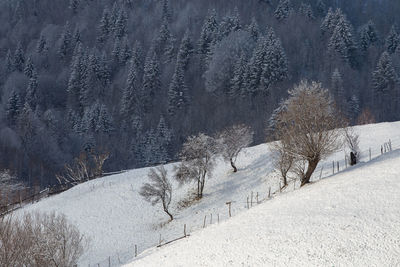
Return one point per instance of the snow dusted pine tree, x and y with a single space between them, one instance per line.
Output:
29 68
208 35
238 81
342 40
321 8
353 108
151 80
13 108
19 58
254 29
368 36
306 11
178 98
384 80
9 63
228 24
130 97
31 92
104 27
65 46
283 10
392 40
164 43
331 20
185 51
41 45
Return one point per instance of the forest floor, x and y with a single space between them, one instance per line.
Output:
335 221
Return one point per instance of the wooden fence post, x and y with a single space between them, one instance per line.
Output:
184 230
338 169
248 203
211 218
135 250
204 223
345 161
109 261
251 201
320 174
269 192
218 218
229 207
333 167
369 154
257 198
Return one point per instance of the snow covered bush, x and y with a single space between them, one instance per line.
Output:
233 140
198 158
40 240
160 190
309 128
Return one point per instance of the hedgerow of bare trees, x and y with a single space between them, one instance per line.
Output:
8 185
40 240
159 190
308 128
233 140
198 158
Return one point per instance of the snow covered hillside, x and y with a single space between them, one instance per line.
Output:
352 219
111 212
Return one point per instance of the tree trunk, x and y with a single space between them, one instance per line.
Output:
169 214
233 166
312 165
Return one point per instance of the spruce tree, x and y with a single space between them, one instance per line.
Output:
9 63
41 45
368 36
337 87
130 102
283 10
321 8
13 108
177 93
74 6
185 51
65 46
29 68
306 11
238 81
151 80
163 139
120 26
164 43
254 29
353 109
229 23
392 40
31 92
104 27
384 77
209 32
19 58
342 40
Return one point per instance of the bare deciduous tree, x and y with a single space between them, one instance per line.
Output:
197 156
40 240
284 161
233 140
352 142
309 127
160 190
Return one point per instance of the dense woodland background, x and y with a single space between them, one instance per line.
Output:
136 77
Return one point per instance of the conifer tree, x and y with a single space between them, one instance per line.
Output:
177 93
19 58
368 36
283 10
65 47
342 40
29 68
74 5
306 11
164 43
185 51
321 8
13 108
353 109
9 62
104 27
238 81
166 11
331 20
392 40
151 80
209 32
254 29
31 92
384 77
130 101
120 26
41 45
337 87
229 23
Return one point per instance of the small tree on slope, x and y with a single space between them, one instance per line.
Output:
233 140
308 128
197 156
160 190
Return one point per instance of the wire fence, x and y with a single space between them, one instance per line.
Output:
253 199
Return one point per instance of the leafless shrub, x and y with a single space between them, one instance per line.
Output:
233 140
283 160
40 240
366 117
352 142
309 129
160 190
198 157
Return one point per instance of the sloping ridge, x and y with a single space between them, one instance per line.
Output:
350 219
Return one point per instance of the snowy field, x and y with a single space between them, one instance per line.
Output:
111 212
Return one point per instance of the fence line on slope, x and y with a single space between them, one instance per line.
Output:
254 199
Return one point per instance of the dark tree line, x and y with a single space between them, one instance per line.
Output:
136 77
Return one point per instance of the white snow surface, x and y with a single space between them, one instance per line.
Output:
351 218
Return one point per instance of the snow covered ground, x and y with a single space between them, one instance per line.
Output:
352 219
111 212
